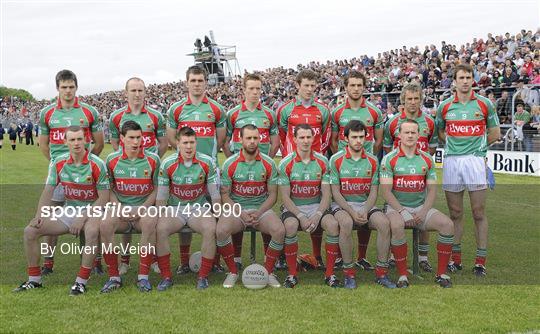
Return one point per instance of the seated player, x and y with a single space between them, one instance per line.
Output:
133 174
184 180
354 180
306 196
84 179
249 178
408 184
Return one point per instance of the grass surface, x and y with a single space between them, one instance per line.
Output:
507 300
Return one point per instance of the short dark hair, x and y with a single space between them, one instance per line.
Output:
354 125
303 126
462 67
306 74
356 75
185 131
65 75
73 128
248 127
196 69
130 125
252 76
409 121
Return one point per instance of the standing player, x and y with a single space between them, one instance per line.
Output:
411 98
354 178
249 179
251 111
153 132
408 184
306 197
185 179
305 109
54 119
468 123
85 182
133 174
357 108
207 118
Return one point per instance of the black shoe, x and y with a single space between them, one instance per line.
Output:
218 268
27 286
98 269
339 263
77 289
46 271
183 269
239 266
479 270
320 263
454 267
332 281
402 283
425 266
364 265
290 282
443 281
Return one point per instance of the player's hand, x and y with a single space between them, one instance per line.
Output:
360 217
313 222
420 216
76 227
246 218
36 222
255 215
407 217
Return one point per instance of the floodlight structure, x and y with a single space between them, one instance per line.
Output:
219 60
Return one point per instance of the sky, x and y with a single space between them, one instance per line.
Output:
107 42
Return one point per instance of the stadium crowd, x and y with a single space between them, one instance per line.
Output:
503 65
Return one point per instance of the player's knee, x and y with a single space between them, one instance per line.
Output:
478 213
456 212
30 233
383 226
291 226
345 225
331 226
222 232
277 231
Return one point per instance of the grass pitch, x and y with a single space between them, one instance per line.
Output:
507 300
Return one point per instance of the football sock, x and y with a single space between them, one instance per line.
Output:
444 251
332 248
399 248
274 249
226 250
291 252
363 241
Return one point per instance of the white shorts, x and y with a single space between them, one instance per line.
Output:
309 210
462 172
66 219
357 206
58 194
422 226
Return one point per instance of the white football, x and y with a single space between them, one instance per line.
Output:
255 277
195 262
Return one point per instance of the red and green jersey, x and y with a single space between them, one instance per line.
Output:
150 120
54 120
249 181
187 181
409 175
466 124
133 180
426 123
368 114
294 113
204 119
80 183
305 179
355 177
262 117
